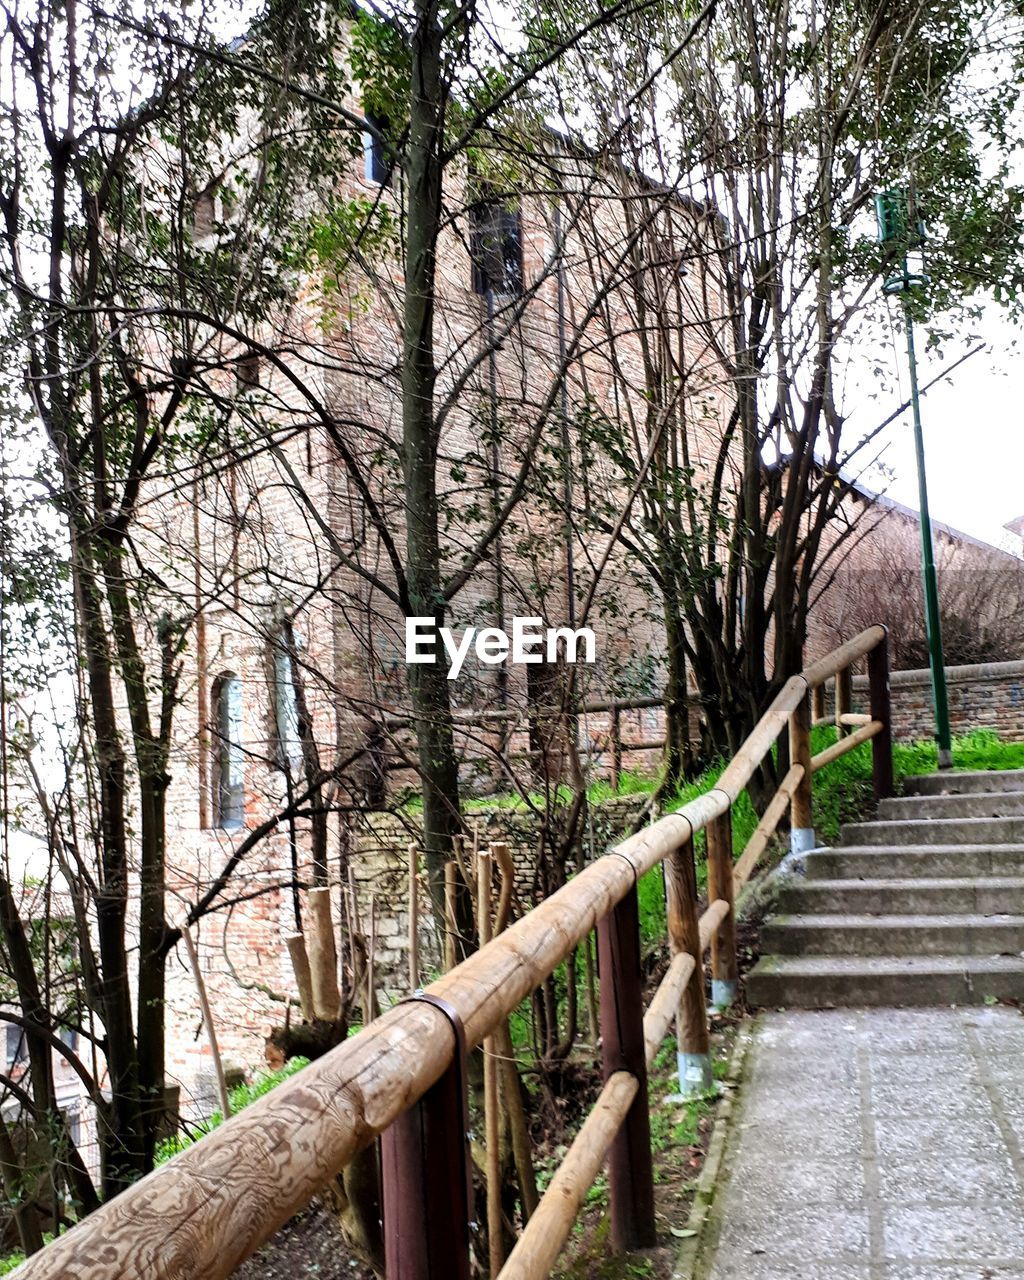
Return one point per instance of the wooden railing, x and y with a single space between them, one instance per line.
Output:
403 1077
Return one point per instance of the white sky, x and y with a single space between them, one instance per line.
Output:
973 435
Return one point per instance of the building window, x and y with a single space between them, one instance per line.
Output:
228 754
204 215
286 711
496 247
376 155
16 1049
247 373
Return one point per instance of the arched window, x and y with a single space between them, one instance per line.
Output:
228 754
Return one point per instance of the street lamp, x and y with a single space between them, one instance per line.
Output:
897 231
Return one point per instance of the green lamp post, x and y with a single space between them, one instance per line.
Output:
897 231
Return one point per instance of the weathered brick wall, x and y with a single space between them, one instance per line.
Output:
989 695
381 874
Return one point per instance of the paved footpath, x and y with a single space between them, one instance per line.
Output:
881 1144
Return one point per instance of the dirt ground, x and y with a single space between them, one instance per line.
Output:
310 1245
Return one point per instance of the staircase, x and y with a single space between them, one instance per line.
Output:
924 906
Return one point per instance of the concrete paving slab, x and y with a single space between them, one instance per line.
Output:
925 1181
947 1233
902 1160
839 1182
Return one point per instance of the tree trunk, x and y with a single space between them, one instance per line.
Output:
428 683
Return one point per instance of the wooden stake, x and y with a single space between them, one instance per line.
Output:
211 1031
684 936
801 817
844 699
414 918
371 946
724 968
296 944
323 957
450 890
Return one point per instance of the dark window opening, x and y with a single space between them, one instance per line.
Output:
204 215
17 1050
377 158
496 247
247 373
228 754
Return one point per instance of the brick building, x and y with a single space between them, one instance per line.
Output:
296 665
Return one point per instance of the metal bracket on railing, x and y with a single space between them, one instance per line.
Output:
614 853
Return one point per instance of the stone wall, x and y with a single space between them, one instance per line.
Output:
989 695
380 869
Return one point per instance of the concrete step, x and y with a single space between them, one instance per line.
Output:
931 935
935 831
951 861
979 804
916 896
818 982
950 782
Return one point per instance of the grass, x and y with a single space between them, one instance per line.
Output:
631 782
842 793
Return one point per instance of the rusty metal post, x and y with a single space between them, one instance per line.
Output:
881 709
630 1170
425 1177
693 1046
724 964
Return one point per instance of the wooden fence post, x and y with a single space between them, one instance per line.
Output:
616 742
693 1045
724 966
424 1158
818 704
630 1170
844 699
801 825
881 709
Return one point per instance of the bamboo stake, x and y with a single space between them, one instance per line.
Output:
211 1031
414 919
492 1116
296 944
449 916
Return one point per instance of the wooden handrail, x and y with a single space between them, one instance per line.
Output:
840 748
208 1208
